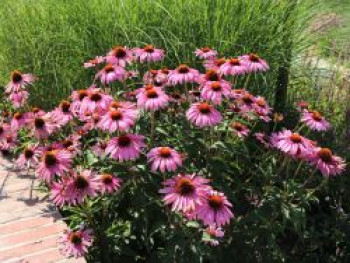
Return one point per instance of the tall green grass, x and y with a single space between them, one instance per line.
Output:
53 38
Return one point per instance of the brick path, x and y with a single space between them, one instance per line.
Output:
29 224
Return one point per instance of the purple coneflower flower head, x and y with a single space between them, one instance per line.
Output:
149 54
62 114
42 126
184 192
164 159
94 62
109 183
206 53
111 73
75 243
29 158
215 91
247 102
96 101
4 130
240 130
214 64
234 67
326 162
152 99
9 141
202 114
99 149
212 235
214 209
126 147
255 63
61 193
71 144
262 138
84 184
18 98
19 120
120 56
183 74
19 81
315 121
53 162
117 119
237 94
292 143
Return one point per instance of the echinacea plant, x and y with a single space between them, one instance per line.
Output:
154 171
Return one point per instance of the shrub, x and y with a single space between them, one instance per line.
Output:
174 165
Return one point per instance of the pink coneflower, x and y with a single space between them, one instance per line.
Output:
292 143
53 162
214 64
149 54
91 120
111 73
62 114
96 101
202 114
262 138
75 243
326 162
152 99
164 159
19 120
206 53
212 234
117 119
183 74
18 98
255 63
120 56
41 126
247 102
94 62
77 97
240 129
315 121
184 191
262 109
60 192
19 81
84 184
9 142
162 76
234 67
150 76
214 209
125 147
71 144
29 158
209 77
109 183
237 94
215 91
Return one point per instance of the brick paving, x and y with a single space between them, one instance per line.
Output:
29 223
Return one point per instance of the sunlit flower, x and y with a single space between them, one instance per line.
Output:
149 54
234 67
326 162
291 143
215 91
152 99
84 184
202 114
164 159
214 209
19 120
96 101
120 56
18 98
53 162
109 183
29 158
41 126
9 141
19 81
117 119
126 147
214 234
206 53
62 114
4 130
184 191
111 73
183 74
255 63
214 64
60 192
75 243
315 121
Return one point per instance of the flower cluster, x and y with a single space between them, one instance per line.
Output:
115 120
